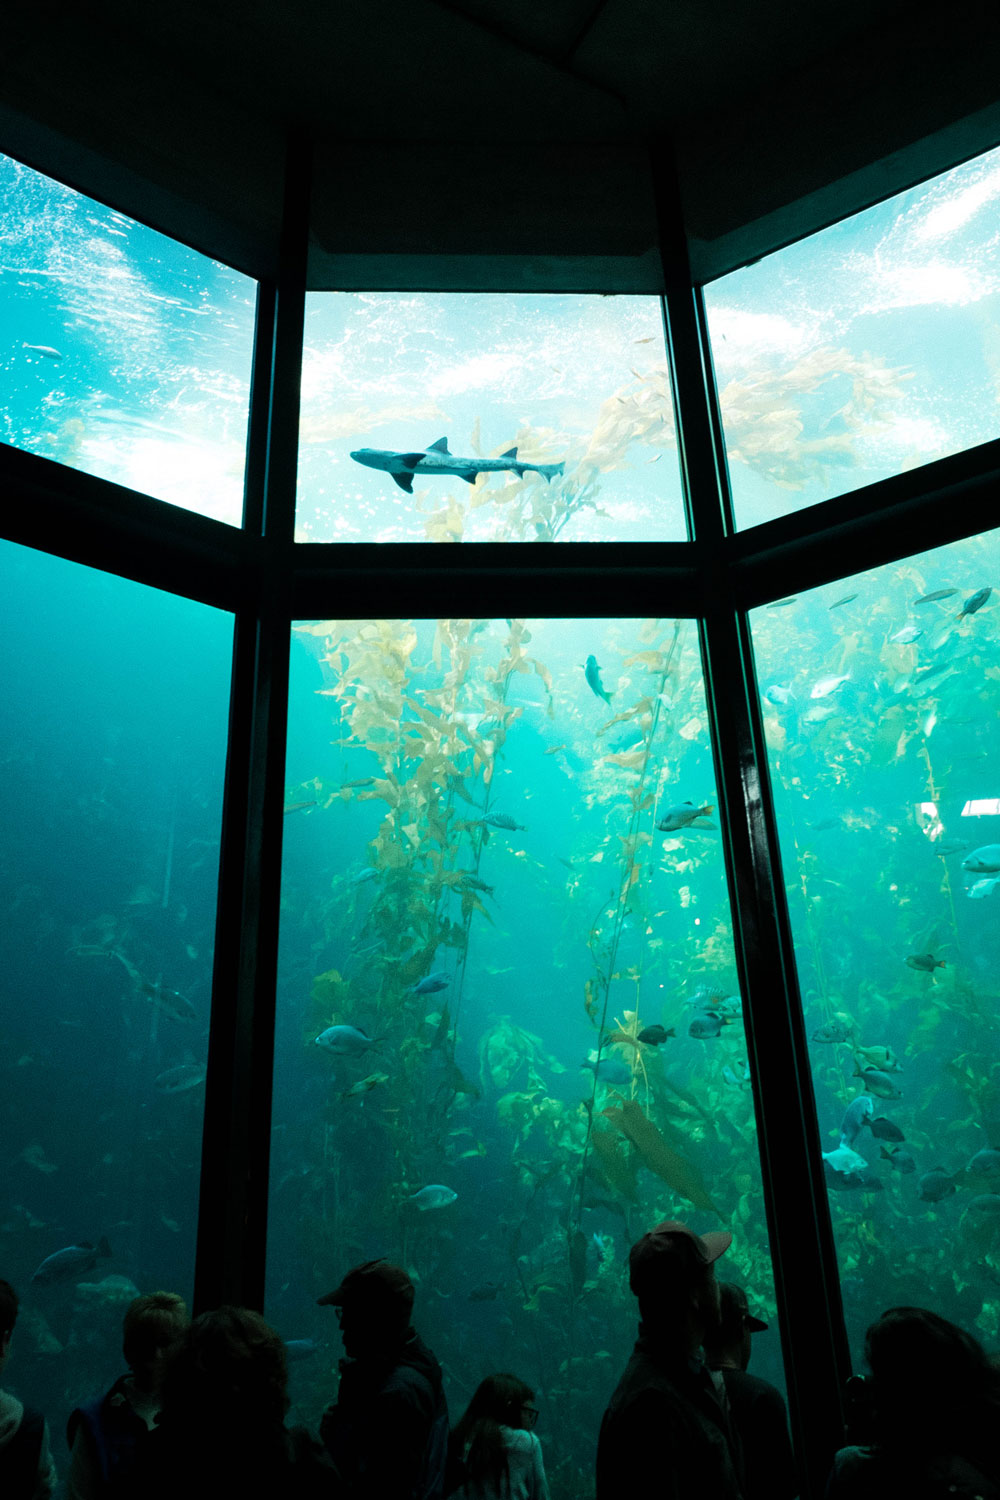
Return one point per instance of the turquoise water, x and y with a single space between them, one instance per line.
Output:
576 380
124 354
114 737
863 351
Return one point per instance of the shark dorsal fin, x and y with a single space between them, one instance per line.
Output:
410 459
511 453
441 446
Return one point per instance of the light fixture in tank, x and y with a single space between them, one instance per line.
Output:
982 807
929 820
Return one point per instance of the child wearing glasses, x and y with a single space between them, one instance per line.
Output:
495 1454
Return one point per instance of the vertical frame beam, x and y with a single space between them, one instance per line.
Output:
801 1237
232 1220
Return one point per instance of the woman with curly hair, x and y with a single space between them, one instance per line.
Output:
496 1454
221 1428
935 1414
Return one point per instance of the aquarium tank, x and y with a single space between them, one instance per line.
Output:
669 896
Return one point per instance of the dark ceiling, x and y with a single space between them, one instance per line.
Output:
498 143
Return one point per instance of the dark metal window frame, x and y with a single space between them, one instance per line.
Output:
266 581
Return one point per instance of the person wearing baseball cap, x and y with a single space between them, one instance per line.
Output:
387 1432
756 1406
667 1418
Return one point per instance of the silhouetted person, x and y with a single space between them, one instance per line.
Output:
221 1429
387 1432
666 1432
497 1455
26 1468
103 1434
757 1408
935 1414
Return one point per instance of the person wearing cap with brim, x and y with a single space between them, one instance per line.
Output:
666 1432
387 1432
757 1407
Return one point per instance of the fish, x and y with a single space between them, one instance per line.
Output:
974 602
68 1264
346 1041
985 1207
879 1057
908 634
926 963
609 1070
684 815
984 887
833 1031
708 997
901 1161
847 599
592 672
296 1349
985 1163
178 1080
502 820
364 1085
171 1002
369 873
884 1130
937 594
856 1117
845 1181
783 603
470 882
432 1196
823 825
707 1026
488 1292
878 1083
983 861
944 847
45 350
828 685
436 459
779 695
431 984
845 1159
655 1036
935 1185
298 806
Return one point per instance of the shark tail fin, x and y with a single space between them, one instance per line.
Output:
551 470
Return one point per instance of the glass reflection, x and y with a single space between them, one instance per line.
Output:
509 1034
881 700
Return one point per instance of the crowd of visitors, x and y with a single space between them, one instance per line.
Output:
201 1410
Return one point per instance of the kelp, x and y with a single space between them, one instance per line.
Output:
675 1170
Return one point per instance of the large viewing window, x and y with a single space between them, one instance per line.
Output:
556 412
114 737
882 708
126 354
863 351
509 1027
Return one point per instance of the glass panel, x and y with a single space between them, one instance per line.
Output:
114 736
567 398
863 351
881 698
476 879
127 354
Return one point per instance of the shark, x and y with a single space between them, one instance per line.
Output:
438 460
